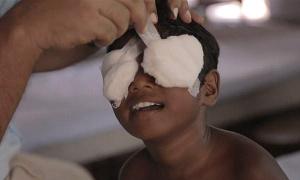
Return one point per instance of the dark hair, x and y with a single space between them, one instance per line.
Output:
168 27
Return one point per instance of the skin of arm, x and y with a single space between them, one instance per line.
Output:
16 66
54 59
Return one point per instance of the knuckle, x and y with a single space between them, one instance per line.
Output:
121 20
111 35
123 29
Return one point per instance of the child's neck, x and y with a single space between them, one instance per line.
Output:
183 153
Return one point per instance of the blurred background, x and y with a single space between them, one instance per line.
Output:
64 115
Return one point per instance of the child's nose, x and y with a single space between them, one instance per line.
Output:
141 81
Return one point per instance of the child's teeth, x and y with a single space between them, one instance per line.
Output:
143 104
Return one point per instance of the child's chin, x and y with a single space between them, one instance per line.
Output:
148 134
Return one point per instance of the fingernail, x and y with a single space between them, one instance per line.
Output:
154 18
188 16
175 13
144 30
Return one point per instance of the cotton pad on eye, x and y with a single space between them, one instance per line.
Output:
175 61
118 71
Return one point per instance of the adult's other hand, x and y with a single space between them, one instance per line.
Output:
181 8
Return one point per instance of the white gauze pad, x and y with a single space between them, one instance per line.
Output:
118 71
175 61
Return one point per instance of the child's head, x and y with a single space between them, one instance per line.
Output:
151 111
168 27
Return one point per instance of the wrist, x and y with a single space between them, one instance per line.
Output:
16 40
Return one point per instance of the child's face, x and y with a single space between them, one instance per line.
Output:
175 109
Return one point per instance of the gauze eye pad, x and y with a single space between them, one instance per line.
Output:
175 61
118 70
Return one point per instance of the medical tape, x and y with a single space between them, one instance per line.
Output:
133 48
150 34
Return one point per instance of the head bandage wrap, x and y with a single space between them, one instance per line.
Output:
173 62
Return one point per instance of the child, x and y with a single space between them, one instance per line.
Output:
180 145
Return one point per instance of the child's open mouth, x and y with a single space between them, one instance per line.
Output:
147 106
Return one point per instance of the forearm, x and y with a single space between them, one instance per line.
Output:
17 59
54 59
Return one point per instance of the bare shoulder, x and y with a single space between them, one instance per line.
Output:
138 166
252 161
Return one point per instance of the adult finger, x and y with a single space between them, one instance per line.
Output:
151 9
118 14
105 32
184 12
138 13
197 18
174 5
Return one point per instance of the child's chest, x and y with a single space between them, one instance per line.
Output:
219 172
203 176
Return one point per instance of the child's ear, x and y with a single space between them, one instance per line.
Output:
209 90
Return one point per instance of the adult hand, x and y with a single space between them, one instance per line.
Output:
181 8
178 7
68 23
56 58
65 24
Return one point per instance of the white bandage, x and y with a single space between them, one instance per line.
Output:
118 71
173 62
